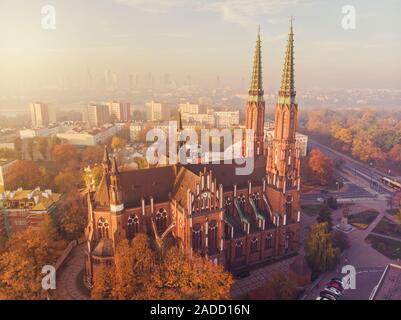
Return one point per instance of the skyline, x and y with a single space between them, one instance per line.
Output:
129 38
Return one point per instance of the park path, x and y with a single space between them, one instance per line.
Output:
68 286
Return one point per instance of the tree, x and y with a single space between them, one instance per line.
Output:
43 146
324 216
24 174
281 287
332 202
21 264
118 143
194 278
340 240
69 179
321 167
124 275
102 283
71 216
63 153
319 249
8 153
92 155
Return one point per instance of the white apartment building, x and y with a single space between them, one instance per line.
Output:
226 119
156 111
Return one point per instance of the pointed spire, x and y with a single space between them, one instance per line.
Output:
256 90
287 89
179 125
114 166
106 158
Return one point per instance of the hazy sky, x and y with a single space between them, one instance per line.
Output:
201 38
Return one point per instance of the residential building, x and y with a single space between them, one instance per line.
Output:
5 165
226 119
41 114
26 208
156 111
120 111
96 114
80 136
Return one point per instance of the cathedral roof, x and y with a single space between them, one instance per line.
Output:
160 182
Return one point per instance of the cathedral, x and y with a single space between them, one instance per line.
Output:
233 220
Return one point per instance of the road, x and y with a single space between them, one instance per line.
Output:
359 169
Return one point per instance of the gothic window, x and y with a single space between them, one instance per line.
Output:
197 237
285 124
289 157
242 201
287 242
239 250
161 220
227 203
212 236
132 227
254 245
269 241
288 206
103 228
292 120
227 232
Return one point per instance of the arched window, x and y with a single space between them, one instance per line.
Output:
254 245
288 206
103 228
269 241
242 201
197 237
212 236
287 242
161 220
239 250
132 227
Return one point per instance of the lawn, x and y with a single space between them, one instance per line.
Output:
362 220
389 248
388 228
312 209
392 211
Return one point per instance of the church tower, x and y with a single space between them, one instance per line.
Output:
116 201
283 161
255 109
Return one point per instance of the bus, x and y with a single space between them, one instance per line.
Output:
391 183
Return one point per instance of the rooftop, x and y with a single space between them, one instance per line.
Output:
41 200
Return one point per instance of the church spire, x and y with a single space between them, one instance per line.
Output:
287 91
256 89
114 166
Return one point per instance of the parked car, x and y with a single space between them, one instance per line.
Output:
242 274
321 200
336 285
334 291
327 295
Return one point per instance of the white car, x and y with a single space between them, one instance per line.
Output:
321 200
333 290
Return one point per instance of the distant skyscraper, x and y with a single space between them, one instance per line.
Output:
96 114
119 111
156 111
41 115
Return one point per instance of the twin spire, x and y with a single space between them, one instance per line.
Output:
287 89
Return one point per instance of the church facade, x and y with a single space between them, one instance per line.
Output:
233 220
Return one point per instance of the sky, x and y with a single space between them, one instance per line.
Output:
200 38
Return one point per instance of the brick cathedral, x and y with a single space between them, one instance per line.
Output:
233 220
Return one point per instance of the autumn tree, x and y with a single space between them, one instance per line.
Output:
21 264
324 216
102 283
71 216
92 155
321 167
64 153
25 174
194 278
281 287
124 274
319 249
68 179
118 143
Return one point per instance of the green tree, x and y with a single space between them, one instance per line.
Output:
118 143
281 287
324 216
319 249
